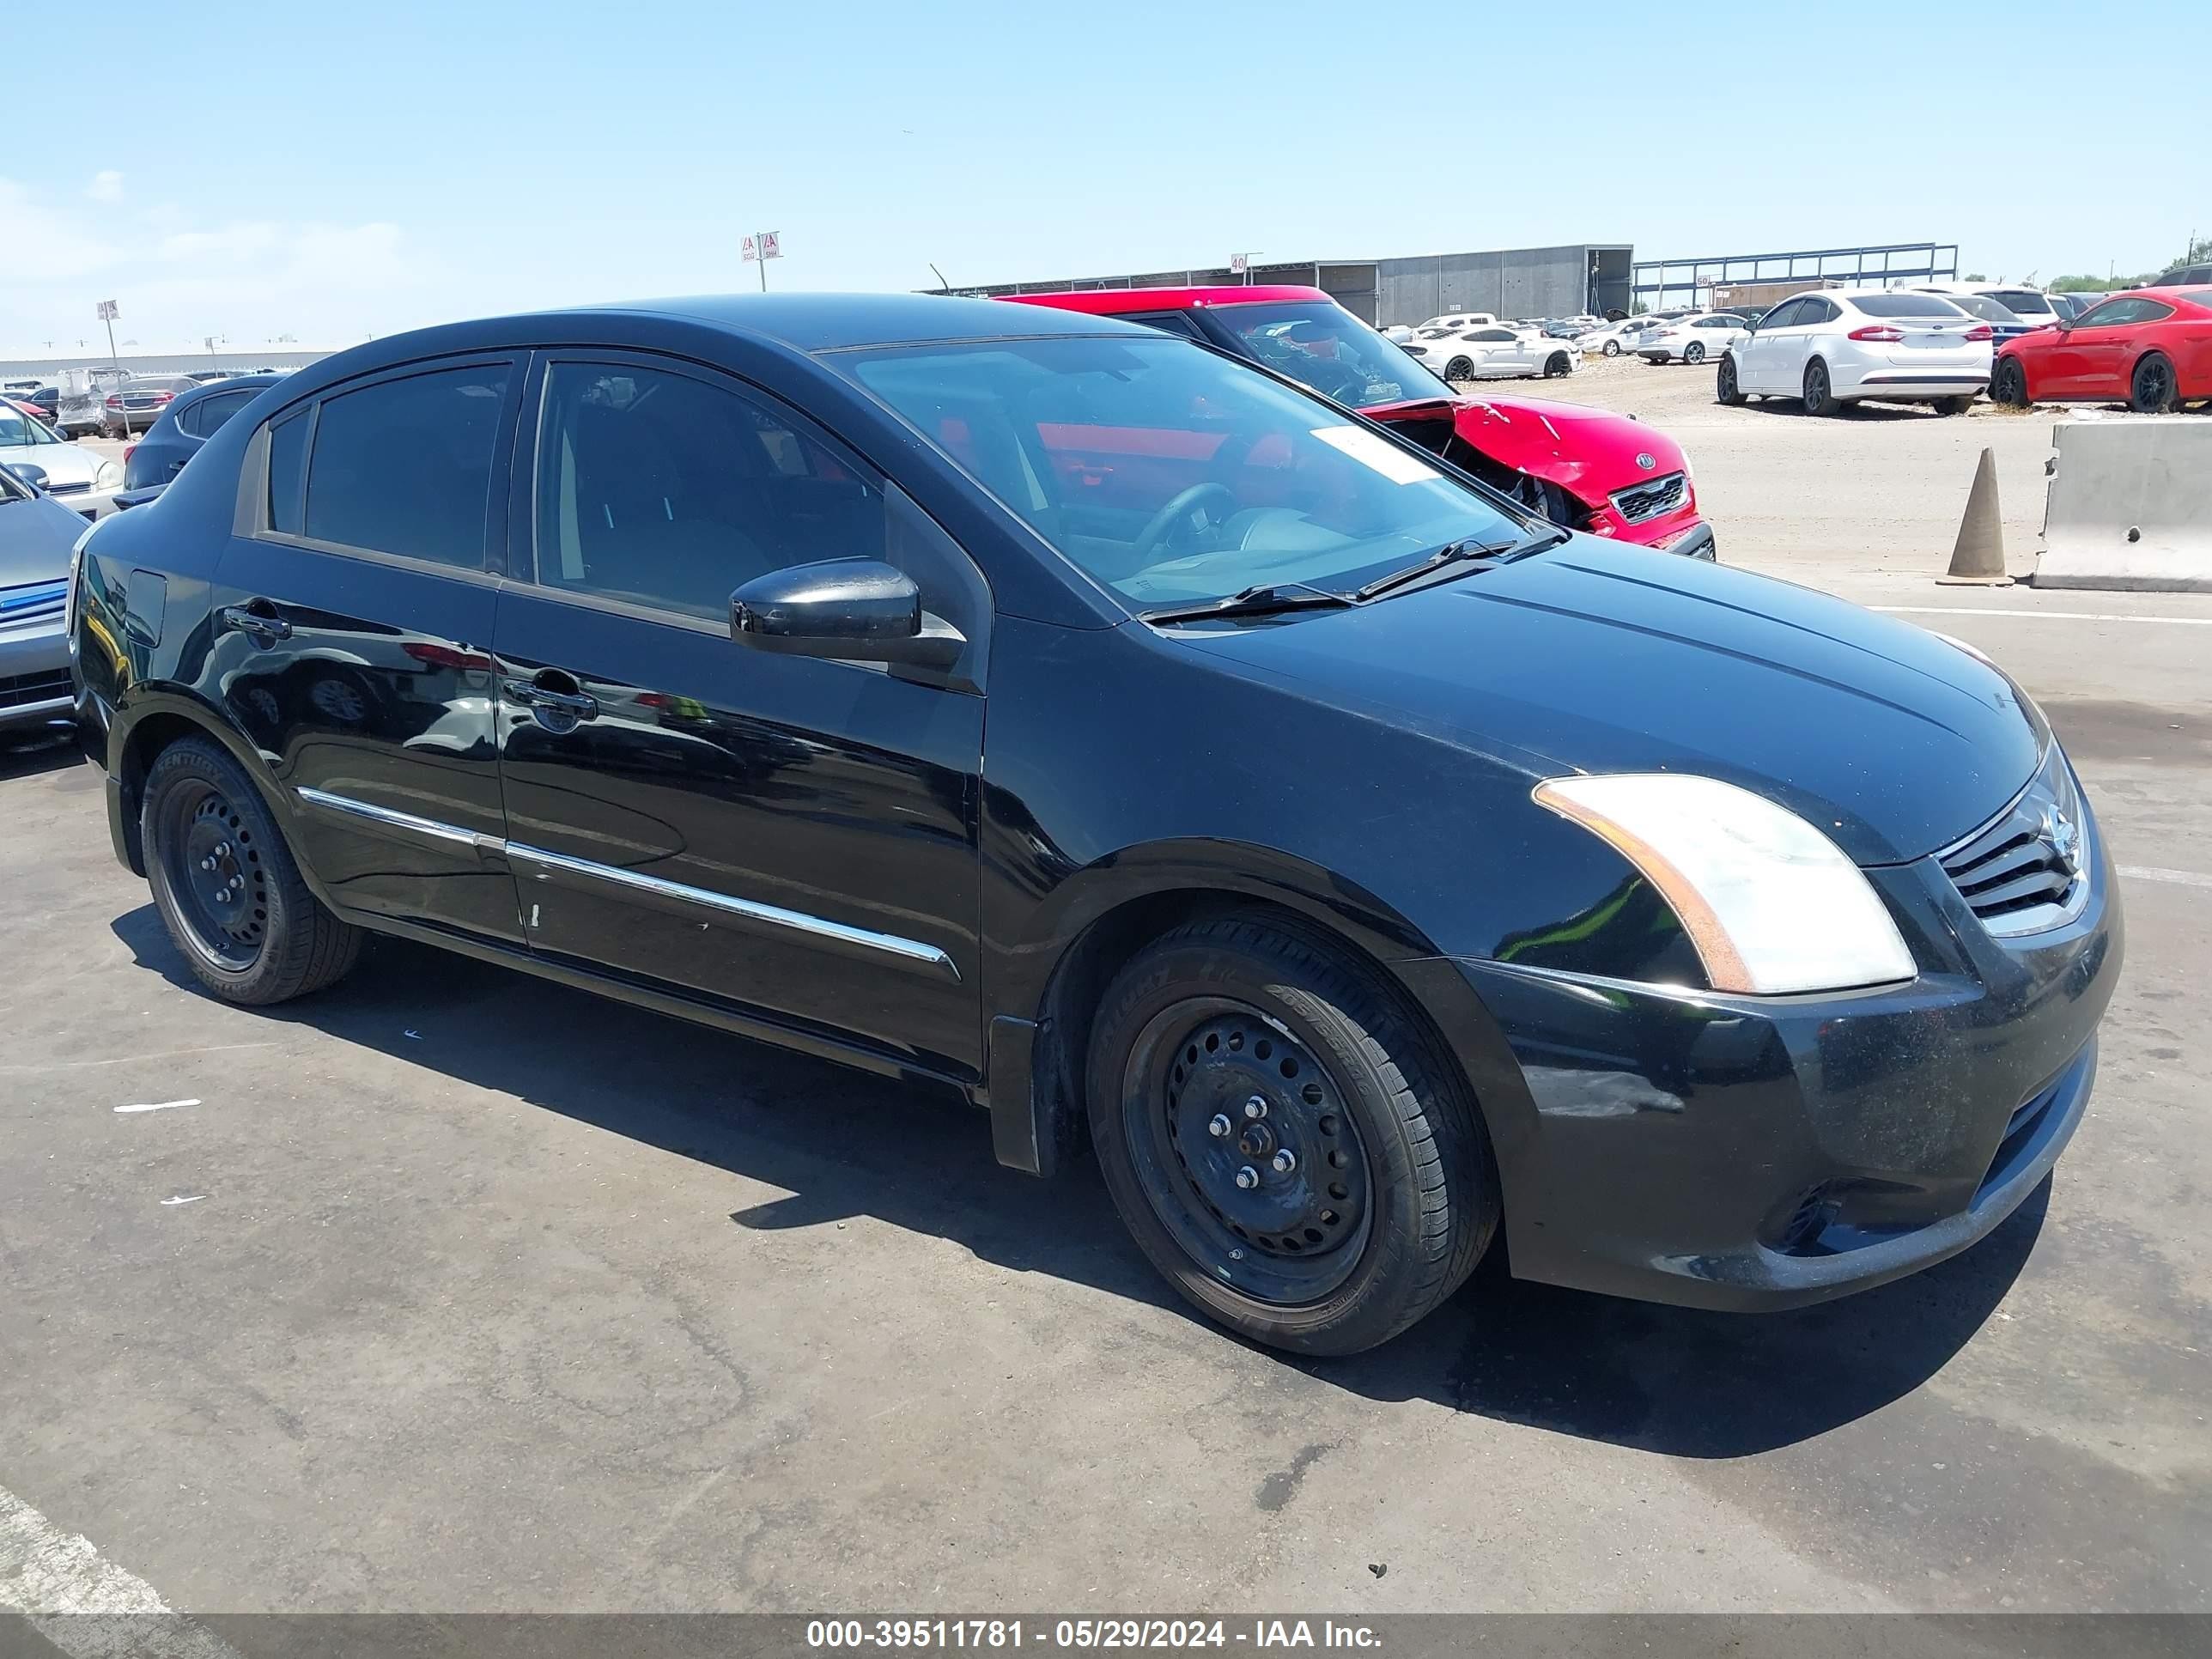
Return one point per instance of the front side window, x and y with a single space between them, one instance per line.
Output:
405 466
1330 350
660 491
1171 475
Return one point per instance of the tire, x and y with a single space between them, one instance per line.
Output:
274 941
1820 392
1556 366
1460 368
1725 388
2153 389
1613 347
1694 353
2009 385
1217 1014
1953 405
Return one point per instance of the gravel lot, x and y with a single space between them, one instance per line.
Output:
491 1296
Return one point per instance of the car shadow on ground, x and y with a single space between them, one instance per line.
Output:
1756 403
27 754
845 1143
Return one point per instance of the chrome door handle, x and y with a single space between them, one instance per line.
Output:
576 705
262 624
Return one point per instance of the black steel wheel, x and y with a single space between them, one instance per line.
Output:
1460 368
1820 399
1283 1139
226 884
1694 352
2154 390
1725 388
2009 385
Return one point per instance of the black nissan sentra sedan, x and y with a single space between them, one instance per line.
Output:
1149 749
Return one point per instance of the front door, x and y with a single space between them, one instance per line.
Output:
790 836
353 631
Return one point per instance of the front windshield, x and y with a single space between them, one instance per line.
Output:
18 429
1331 350
1173 475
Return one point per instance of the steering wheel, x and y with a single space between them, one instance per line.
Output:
1185 502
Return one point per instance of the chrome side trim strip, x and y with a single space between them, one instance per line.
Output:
430 829
912 952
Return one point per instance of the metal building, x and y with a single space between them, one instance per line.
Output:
1540 281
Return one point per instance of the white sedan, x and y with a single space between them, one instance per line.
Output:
1692 339
1494 353
81 477
1841 345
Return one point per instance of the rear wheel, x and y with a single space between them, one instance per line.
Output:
2009 385
2153 389
1725 389
1694 352
1460 368
1285 1143
226 884
1819 396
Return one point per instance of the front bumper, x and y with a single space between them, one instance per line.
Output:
1748 1152
34 681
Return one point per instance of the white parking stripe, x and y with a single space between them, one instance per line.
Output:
2055 615
88 1608
2152 872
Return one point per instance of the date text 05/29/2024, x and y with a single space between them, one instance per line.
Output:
830 1634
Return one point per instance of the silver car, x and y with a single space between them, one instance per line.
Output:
36 536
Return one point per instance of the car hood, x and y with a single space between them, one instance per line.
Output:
35 539
63 464
1597 658
1589 453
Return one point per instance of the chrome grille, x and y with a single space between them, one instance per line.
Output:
1650 501
2024 870
30 605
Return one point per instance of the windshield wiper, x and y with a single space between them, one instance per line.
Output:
1267 600
1457 553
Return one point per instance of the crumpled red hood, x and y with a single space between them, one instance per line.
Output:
1590 453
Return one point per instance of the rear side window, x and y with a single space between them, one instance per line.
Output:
288 458
1906 305
210 413
405 466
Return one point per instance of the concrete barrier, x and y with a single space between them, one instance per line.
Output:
2129 506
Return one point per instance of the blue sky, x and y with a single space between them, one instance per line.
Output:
366 169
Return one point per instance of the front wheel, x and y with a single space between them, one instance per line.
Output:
226 884
1725 388
1820 394
2153 389
1556 366
1694 352
1613 347
2009 385
1286 1144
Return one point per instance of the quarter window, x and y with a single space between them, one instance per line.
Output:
662 490
405 466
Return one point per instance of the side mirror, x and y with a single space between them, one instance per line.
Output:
33 476
854 609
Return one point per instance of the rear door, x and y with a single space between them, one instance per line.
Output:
791 835
353 615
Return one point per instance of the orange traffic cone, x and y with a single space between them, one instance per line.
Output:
1978 556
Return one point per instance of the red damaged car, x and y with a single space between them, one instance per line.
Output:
1587 469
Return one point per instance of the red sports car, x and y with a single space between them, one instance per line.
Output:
2149 346
1587 469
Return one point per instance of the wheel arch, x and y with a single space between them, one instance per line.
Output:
1101 917
155 718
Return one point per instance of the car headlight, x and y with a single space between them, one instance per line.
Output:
1771 904
110 476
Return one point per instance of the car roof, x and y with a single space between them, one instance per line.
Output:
827 322
1115 302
